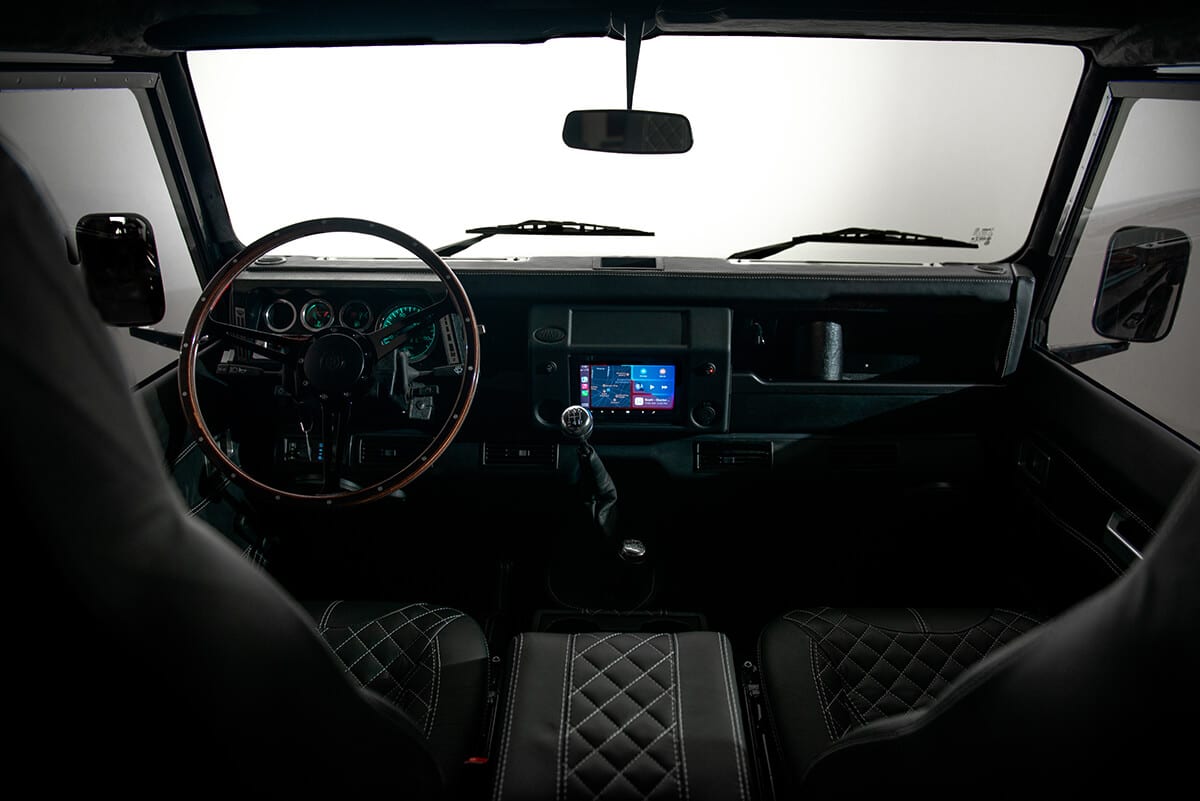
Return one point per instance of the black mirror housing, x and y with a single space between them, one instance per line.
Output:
621 131
120 268
1142 283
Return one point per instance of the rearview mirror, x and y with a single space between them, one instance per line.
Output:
1142 283
621 131
120 268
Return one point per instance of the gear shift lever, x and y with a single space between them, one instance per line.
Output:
576 424
597 570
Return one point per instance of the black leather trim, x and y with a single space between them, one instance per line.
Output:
1072 409
828 672
1022 304
430 662
635 716
1091 702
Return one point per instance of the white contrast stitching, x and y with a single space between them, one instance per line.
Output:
620 692
437 683
324 624
512 703
1012 334
726 670
677 704
821 697
560 789
431 641
1122 507
1078 536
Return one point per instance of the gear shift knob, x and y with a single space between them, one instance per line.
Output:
576 423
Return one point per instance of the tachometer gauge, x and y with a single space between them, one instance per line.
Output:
355 314
317 315
420 340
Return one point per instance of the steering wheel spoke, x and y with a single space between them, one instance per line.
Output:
285 348
386 340
333 442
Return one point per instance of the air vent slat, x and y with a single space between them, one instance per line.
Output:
520 454
379 451
715 455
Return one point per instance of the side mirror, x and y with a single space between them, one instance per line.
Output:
621 131
1142 283
120 268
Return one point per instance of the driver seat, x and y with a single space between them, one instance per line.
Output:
153 657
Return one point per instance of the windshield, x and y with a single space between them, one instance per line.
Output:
792 136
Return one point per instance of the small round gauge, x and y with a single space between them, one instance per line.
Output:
317 315
280 315
355 314
420 341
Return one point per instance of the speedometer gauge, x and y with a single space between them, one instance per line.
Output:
420 340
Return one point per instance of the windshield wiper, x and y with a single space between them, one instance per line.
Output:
539 228
860 236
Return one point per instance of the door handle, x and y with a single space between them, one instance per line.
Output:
1115 521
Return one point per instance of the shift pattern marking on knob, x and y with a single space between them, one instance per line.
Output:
576 422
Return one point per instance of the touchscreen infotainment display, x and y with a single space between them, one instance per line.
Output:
645 387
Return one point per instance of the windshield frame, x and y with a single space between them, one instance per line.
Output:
846 254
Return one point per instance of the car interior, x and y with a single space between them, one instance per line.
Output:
540 400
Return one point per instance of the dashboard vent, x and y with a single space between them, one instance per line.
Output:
385 450
518 454
717 455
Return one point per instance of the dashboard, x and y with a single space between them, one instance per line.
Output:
690 364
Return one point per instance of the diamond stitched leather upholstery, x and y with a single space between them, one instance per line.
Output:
866 672
394 653
621 716
621 738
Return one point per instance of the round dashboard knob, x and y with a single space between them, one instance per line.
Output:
705 414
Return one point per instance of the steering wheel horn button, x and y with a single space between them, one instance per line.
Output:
335 363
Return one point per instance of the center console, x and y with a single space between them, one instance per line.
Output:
635 368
